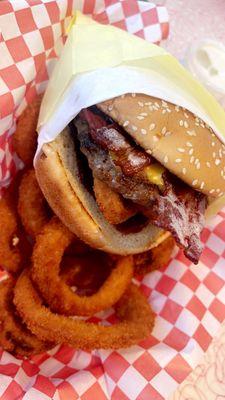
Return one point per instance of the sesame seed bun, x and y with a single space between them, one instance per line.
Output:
59 179
178 139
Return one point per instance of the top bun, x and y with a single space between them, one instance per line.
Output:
178 139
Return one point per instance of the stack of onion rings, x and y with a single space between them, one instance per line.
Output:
48 251
133 310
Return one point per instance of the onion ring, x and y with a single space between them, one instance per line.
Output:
25 136
32 206
137 320
48 251
15 337
112 205
155 258
15 250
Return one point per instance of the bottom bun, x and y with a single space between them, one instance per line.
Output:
59 179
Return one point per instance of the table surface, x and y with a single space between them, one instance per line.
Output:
192 20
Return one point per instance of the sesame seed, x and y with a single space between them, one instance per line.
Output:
166 159
213 134
149 151
177 108
181 150
202 185
164 111
168 110
163 131
144 114
221 194
140 117
151 127
192 159
143 131
217 161
184 171
213 144
134 128
185 124
214 154
208 164
181 123
197 123
140 104
198 166
178 160
150 108
222 173
191 151
126 123
196 161
164 103
212 191
191 133
217 190
155 138
186 115
195 182
133 94
110 108
196 119
148 103
189 144
168 133
156 104
202 125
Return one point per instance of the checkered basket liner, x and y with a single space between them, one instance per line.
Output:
189 300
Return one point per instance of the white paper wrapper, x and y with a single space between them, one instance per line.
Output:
85 76
93 87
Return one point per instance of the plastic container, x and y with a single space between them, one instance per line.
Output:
206 61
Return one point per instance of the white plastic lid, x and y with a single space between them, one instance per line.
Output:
206 61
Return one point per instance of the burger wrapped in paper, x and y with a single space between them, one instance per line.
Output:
128 171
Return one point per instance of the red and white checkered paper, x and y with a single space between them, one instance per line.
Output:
189 300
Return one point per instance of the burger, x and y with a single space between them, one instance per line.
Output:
130 171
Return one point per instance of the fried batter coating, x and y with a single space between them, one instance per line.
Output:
15 337
133 310
25 136
32 206
47 255
155 258
15 249
114 208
